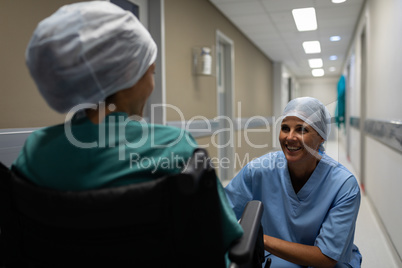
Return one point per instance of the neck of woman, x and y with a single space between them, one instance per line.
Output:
301 172
123 101
97 117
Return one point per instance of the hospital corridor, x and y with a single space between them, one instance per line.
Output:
294 106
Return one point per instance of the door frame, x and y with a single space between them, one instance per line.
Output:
225 102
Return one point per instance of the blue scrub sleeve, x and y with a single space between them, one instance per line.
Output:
239 191
338 228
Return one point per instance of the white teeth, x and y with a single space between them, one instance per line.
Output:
293 148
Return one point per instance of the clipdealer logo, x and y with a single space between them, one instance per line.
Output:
107 136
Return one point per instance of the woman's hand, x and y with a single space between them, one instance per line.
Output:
297 253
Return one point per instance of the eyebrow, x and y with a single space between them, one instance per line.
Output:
305 125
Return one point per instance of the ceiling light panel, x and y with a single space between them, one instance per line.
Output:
317 72
315 63
311 47
335 38
305 19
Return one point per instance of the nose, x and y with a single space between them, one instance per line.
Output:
291 135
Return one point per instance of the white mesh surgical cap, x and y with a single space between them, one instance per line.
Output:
86 52
311 111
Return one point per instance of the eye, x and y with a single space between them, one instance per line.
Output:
302 129
284 128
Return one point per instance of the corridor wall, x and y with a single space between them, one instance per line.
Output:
375 111
21 105
190 24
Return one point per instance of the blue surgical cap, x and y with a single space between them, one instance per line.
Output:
311 111
87 51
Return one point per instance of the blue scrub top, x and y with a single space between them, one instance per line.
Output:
323 213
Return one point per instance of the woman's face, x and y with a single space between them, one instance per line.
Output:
299 141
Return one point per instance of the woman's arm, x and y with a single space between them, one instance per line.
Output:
297 253
239 191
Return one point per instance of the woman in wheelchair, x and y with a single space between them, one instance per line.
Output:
96 62
310 201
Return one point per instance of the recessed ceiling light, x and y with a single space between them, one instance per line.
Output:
332 69
311 47
338 1
333 57
317 72
305 19
335 38
315 63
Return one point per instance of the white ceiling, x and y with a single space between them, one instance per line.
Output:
270 26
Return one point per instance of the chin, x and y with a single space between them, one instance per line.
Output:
293 159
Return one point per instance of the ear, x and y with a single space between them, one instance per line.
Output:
321 142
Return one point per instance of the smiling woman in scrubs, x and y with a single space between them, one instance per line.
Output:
310 201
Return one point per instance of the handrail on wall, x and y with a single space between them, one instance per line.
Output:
388 133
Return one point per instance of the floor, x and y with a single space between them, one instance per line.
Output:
369 236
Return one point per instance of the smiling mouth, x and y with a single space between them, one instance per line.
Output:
293 148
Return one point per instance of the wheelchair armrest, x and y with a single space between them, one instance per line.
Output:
242 251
